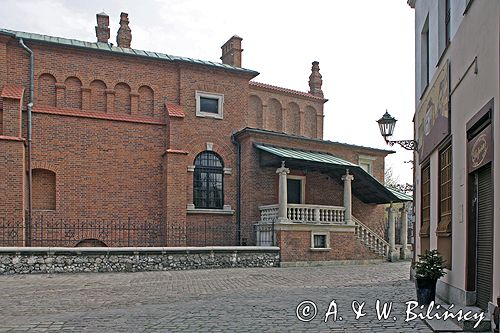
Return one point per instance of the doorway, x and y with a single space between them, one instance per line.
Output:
295 189
482 210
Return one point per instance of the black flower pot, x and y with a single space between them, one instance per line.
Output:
426 290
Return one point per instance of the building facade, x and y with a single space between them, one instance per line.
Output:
97 133
456 163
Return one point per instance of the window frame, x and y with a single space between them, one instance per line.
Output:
210 170
425 199
302 186
424 58
445 194
368 160
203 94
326 234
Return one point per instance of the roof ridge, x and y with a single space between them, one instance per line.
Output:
283 89
116 49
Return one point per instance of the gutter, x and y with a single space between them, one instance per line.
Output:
30 171
238 188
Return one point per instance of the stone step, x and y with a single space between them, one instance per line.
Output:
454 324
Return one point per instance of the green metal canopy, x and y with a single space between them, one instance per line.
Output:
365 186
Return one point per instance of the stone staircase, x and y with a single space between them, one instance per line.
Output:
372 240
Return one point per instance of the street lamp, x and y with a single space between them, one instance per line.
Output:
387 124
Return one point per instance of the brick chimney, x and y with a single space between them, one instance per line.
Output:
124 36
102 27
231 51
315 80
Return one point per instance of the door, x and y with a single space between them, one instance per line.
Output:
483 209
294 190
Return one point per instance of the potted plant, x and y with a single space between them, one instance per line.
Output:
428 269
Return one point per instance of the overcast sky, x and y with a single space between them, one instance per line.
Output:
365 49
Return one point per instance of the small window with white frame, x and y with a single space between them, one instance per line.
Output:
320 240
366 163
209 104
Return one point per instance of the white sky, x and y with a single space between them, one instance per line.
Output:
365 49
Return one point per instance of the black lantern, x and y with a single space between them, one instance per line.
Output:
386 124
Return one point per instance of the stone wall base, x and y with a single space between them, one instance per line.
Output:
19 260
331 263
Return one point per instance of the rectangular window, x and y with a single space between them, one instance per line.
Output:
444 241
319 242
426 201
209 104
445 193
444 19
366 163
447 22
424 56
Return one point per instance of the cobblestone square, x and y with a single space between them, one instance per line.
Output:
224 300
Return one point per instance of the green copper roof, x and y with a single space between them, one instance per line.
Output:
120 50
365 186
402 196
312 156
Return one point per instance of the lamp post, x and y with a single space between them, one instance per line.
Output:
387 124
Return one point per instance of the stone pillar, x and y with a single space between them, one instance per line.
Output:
405 253
347 178
393 256
282 199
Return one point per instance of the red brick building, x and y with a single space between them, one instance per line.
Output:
90 131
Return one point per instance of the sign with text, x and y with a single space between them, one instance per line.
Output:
480 150
433 115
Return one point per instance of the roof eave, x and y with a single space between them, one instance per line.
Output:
268 132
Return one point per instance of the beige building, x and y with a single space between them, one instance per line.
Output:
457 160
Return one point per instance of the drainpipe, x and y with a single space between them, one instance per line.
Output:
30 173
238 188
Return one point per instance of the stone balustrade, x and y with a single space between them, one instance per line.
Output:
302 213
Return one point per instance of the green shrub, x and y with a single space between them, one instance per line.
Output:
430 265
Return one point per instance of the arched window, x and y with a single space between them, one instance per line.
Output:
208 181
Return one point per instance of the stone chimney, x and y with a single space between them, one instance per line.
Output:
124 36
102 27
315 80
231 51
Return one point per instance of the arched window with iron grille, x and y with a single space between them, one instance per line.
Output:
208 181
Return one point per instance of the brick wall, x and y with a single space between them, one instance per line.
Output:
296 246
280 111
44 189
100 125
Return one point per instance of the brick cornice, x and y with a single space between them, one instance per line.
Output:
176 151
11 138
96 115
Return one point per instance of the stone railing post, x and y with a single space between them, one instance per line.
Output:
282 198
405 253
393 256
347 178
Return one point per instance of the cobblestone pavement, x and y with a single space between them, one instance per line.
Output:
224 300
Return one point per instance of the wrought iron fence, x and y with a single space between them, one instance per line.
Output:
129 233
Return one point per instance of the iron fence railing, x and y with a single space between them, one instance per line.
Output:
128 233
